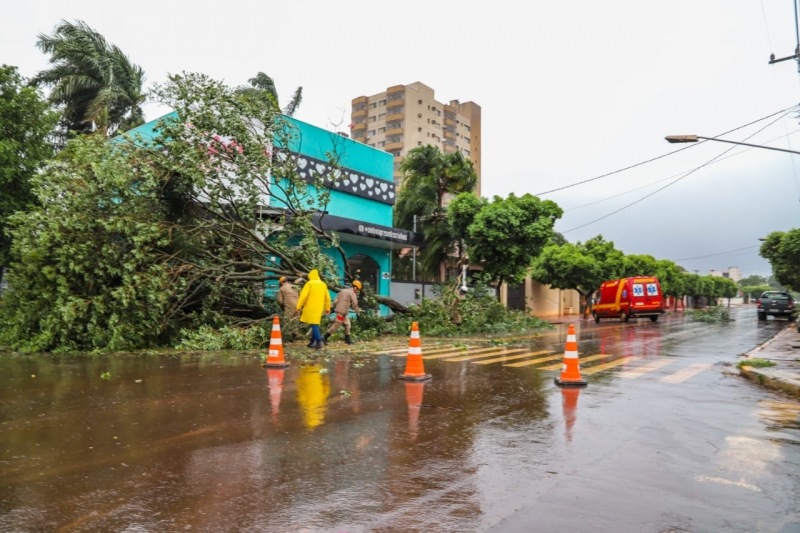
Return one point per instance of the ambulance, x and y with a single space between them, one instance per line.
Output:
629 298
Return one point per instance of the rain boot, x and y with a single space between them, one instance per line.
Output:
325 339
311 343
348 340
318 345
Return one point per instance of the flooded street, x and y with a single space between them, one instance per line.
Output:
665 437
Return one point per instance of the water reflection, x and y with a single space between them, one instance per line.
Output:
275 381
569 406
313 389
414 393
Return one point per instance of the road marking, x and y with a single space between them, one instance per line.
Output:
473 356
529 354
644 369
582 360
682 375
404 351
537 361
722 481
612 364
464 352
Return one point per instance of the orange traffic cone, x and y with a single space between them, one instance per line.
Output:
414 369
414 392
571 369
275 380
275 357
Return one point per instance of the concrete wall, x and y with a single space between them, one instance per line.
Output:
404 291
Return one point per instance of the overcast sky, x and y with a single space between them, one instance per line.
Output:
569 91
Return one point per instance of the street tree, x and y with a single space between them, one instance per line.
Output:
753 280
428 177
582 267
93 81
755 291
505 235
262 87
26 121
143 242
782 250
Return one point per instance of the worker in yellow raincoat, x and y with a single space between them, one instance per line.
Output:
314 300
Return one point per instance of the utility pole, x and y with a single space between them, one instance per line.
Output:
796 55
414 259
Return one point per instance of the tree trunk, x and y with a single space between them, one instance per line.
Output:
587 310
394 305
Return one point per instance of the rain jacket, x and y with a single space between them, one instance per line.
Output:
314 299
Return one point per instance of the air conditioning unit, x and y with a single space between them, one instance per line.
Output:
419 115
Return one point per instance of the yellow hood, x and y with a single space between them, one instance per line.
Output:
313 275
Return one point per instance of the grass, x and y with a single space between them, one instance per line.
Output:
756 363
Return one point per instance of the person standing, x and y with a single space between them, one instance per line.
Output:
314 300
287 298
346 299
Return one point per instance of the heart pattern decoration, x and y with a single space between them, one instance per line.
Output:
344 179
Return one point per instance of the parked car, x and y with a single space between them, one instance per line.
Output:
774 303
630 298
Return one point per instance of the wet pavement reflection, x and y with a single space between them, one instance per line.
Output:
217 443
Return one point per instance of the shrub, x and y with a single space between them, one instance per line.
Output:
755 363
710 315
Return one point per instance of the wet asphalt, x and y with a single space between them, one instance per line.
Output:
666 437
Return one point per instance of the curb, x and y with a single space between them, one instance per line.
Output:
756 375
766 376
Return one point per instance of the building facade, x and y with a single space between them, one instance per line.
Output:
404 117
361 203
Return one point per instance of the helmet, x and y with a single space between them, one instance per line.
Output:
357 284
283 278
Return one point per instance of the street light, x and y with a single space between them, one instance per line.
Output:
695 138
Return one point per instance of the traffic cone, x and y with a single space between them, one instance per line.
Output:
275 380
571 369
414 369
275 357
414 392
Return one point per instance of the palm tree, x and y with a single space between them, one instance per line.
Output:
94 81
428 177
263 88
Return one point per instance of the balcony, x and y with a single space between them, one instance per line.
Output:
394 146
394 131
395 89
451 136
359 107
449 121
359 100
394 116
448 148
360 113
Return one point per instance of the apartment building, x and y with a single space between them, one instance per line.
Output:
404 117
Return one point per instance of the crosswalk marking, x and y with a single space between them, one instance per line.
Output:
690 371
582 360
536 361
471 355
611 364
404 351
644 369
529 354
464 352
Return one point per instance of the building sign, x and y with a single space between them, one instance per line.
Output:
359 228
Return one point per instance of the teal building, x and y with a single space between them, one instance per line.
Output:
362 197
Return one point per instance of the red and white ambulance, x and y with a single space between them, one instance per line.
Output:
629 298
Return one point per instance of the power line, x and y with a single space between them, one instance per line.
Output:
673 176
662 156
719 253
685 175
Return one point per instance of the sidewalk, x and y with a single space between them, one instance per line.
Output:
784 350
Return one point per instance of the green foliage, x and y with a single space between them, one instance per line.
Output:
756 363
369 323
782 250
262 88
227 337
428 176
480 312
753 281
583 267
506 235
93 80
25 123
710 315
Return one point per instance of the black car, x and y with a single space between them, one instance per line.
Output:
775 303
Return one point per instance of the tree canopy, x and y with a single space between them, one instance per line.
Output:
782 250
94 81
26 121
262 87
